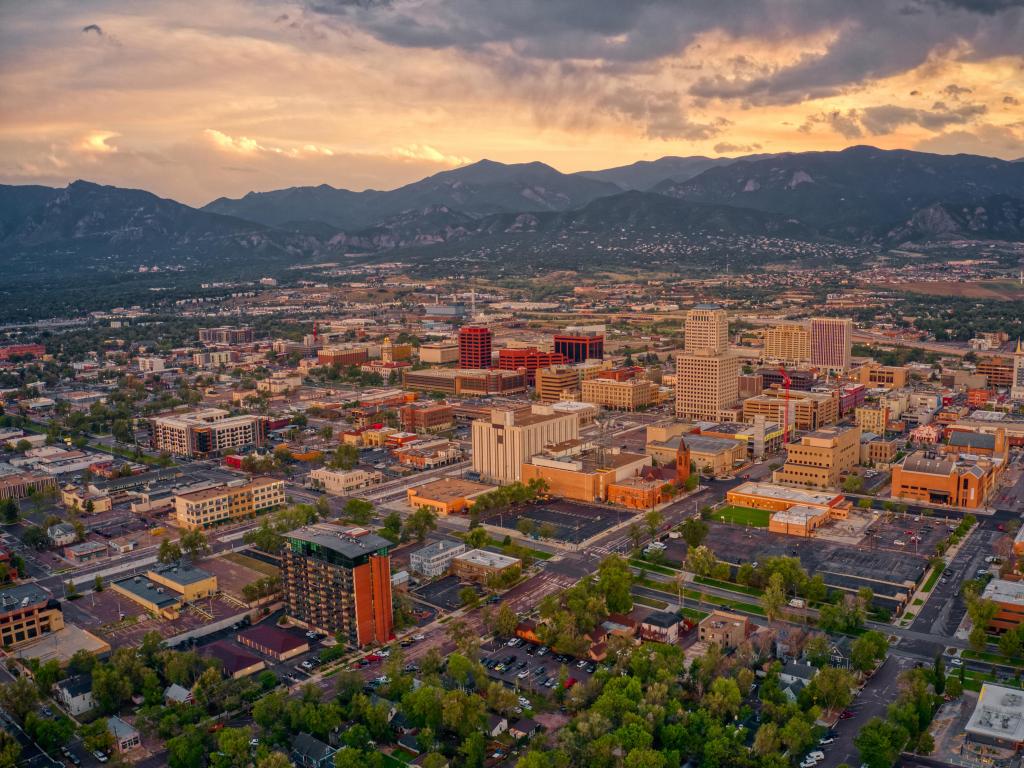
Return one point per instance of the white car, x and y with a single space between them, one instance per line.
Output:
523 674
900 543
956 661
524 701
808 762
417 637
817 754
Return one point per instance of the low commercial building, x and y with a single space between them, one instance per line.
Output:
557 383
277 643
235 662
925 476
760 437
998 717
872 418
214 506
796 511
21 484
27 612
727 630
480 565
165 591
876 451
888 376
718 455
819 459
578 470
85 500
465 382
1009 597
86 552
434 559
429 454
426 417
447 496
339 482
637 493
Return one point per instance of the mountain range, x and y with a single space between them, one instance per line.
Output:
860 196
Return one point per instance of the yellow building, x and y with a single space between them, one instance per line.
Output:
788 343
888 376
27 612
820 458
76 498
553 383
872 418
707 385
795 511
808 410
165 592
575 470
717 455
447 496
213 506
628 395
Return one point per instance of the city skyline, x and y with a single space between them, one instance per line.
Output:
197 102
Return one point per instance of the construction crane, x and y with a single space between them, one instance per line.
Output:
785 414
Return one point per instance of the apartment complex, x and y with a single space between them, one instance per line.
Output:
206 432
338 482
479 565
998 371
475 347
727 630
555 382
820 458
434 559
214 506
27 612
338 580
831 343
788 343
872 418
707 374
226 334
581 343
503 442
627 395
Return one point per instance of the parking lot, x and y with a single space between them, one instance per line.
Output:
525 667
444 593
571 521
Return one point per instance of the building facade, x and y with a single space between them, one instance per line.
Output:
338 580
475 347
821 458
578 345
502 443
788 343
26 613
206 432
831 343
215 506
553 384
628 395
339 482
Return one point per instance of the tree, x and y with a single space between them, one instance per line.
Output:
194 543
880 742
96 736
392 529
19 698
701 561
473 750
275 760
168 553
831 688
420 523
188 749
477 538
345 457
766 740
867 649
694 531
9 510
615 582
110 688
654 520
853 484
468 597
97 583
939 674
358 511
723 699
817 650
774 597
234 743
505 621
10 750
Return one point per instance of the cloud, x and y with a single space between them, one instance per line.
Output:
96 142
725 148
846 124
1011 100
93 28
660 113
245 145
994 140
883 119
955 91
427 152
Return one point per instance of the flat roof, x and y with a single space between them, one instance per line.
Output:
450 489
1004 591
12 598
798 514
272 638
62 645
438 548
184 573
785 493
149 591
487 559
999 713
345 540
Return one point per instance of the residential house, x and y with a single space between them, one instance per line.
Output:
523 728
177 694
309 752
126 737
75 694
496 725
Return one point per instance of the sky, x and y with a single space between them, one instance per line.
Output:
196 100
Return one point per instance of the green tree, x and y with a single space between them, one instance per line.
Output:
939 674
9 510
234 743
19 698
694 531
774 598
169 552
701 561
10 750
358 511
420 523
654 520
723 699
880 743
831 688
615 582
867 650
189 749
505 621
477 538
194 543
96 736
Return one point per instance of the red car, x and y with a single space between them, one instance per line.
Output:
570 682
846 714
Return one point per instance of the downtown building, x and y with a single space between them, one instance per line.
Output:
580 343
707 373
206 432
216 506
338 580
475 347
226 334
831 343
507 439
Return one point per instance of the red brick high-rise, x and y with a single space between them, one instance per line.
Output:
529 358
475 347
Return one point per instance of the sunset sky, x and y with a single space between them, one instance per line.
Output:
193 100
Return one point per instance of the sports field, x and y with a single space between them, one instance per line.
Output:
742 516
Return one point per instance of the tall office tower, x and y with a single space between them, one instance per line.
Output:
707 330
506 440
474 347
831 342
707 373
580 343
788 343
338 580
1017 390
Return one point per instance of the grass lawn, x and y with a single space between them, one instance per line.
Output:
995 658
742 516
252 563
752 591
392 762
693 613
918 601
934 577
652 567
650 602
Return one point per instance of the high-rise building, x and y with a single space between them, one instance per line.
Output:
338 580
831 342
707 330
788 343
581 343
475 347
226 334
707 373
1017 390
503 442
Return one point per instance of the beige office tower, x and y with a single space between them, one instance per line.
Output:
788 343
707 330
831 342
503 442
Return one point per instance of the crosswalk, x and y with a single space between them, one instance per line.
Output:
541 586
